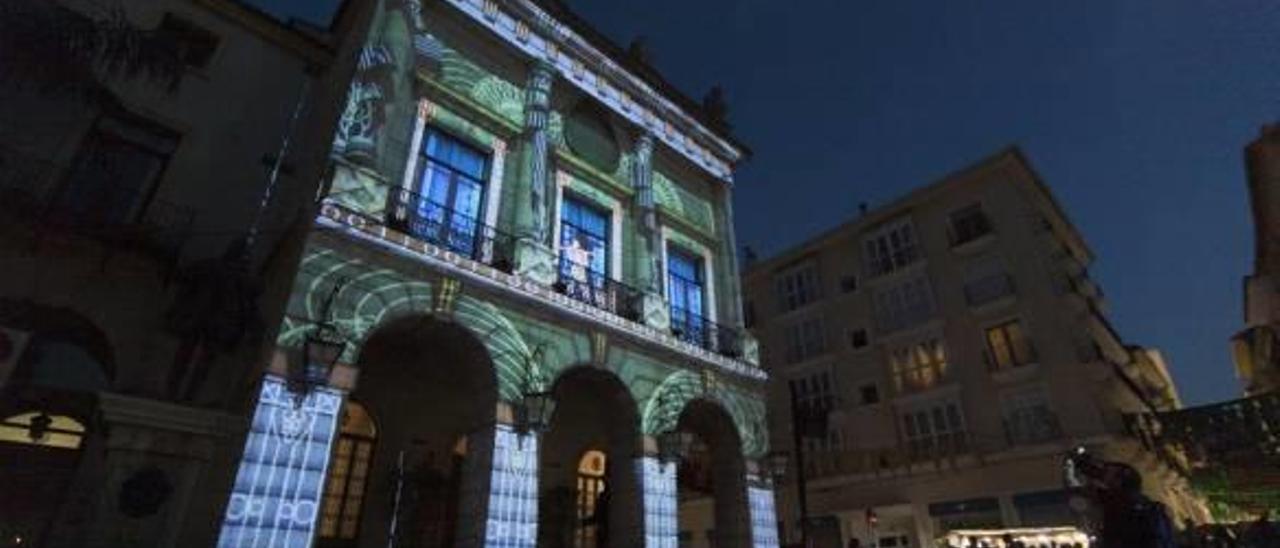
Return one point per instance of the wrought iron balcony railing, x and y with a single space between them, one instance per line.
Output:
580 282
697 330
433 222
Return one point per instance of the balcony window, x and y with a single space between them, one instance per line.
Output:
935 430
907 304
450 192
115 173
344 492
858 338
987 281
890 248
798 286
1008 346
969 224
918 366
1028 418
805 340
686 293
584 250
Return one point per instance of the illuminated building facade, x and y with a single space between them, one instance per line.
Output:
1257 347
517 213
957 348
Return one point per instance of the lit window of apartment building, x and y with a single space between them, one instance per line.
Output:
960 358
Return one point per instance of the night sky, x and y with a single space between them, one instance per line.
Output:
1135 113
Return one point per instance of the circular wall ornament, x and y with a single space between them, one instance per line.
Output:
144 492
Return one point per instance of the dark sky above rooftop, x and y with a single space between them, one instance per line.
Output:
1134 112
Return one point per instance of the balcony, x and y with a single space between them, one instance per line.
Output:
988 290
706 334
888 461
1036 427
408 224
435 223
581 283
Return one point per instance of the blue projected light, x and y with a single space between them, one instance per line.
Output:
764 524
513 493
276 497
661 526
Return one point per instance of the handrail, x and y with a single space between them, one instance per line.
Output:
578 281
436 223
697 330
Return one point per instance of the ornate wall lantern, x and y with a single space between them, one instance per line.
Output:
536 407
321 350
674 444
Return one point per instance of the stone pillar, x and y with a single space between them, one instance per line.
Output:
661 505
764 515
533 197
732 299
499 505
646 242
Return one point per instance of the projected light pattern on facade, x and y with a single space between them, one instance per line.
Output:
276 497
764 527
660 503
513 491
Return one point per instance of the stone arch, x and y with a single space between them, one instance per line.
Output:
65 332
667 401
719 462
595 410
368 297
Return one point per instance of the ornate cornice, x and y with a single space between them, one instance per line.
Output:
530 29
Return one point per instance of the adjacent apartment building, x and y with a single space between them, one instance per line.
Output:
1257 347
959 348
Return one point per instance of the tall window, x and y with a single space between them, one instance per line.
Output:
451 189
798 286
348 475
890 248
591 484
1008 346
907 304
815 389
805 340
584 250
115 173
1028 418
968 224
685 285
935 430
986 281
919 366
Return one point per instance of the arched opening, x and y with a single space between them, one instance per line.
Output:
431 385
711 480
39 451
589 491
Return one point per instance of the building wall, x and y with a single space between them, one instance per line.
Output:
1076 367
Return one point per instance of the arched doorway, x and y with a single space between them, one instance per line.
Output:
711 479
39 451
431 385
589 490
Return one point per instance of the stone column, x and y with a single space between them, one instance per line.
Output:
533 197
764 515
661 504
647 240
729 248
499 505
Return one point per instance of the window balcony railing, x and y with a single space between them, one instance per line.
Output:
1040 428
887 461
988 289
443 226
583 284
699 331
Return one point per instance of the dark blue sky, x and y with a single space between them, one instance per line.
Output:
1134 112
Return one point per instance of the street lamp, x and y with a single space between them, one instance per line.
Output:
533 412
674 444
321 350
